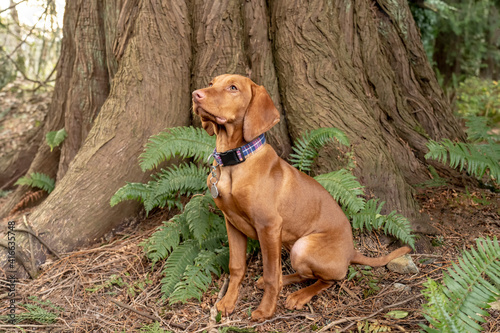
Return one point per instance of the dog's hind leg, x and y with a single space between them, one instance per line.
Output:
315 257
304 295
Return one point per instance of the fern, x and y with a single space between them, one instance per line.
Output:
165 239
185 179
185 260
166 187
55 138
131 191
398 226
369 218
476 158
176 264
185 142
479 129
185 242
197 277
344 188
479 156
43 312
145 194
457 305
38 180
306 148
199 217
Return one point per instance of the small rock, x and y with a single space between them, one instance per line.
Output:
403 265
495 305
402 287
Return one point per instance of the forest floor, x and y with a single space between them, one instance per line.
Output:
112 287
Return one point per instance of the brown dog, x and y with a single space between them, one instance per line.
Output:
265 198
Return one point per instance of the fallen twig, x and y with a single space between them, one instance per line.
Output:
213 310
128 307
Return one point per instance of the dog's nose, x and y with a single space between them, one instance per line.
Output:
198 95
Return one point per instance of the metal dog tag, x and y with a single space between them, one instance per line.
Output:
214 191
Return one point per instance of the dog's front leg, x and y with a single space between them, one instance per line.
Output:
270 245
237 267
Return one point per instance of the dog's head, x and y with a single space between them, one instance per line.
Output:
235 101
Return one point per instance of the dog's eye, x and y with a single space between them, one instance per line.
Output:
233 88
210 84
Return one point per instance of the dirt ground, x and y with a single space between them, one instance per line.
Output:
112 287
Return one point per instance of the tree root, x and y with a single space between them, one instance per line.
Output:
22 258
40 240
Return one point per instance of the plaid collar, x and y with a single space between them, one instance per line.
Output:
238 155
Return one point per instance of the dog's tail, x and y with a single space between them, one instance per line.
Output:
380 261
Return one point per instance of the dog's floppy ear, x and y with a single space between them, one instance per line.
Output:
261 114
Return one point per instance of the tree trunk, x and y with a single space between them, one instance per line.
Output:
147 96
358 66
89 84
366 74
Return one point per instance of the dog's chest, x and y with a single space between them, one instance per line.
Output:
231 204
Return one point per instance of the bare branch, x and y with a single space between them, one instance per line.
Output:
13 6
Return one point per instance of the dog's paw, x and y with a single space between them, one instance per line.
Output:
297 300
226 306
260 315
260 283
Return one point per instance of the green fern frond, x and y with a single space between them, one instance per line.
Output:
344 188
197 277
198 215
457 305
131 191
171 183
164 240
436 308
369 218
214 240
55 138
185 142
176 264
145 194
38 180
398 226
475 157
306 147
186 179
479 129
166 188
181 240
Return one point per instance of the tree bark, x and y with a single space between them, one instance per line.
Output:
349 65
89 84
232 38
127 119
